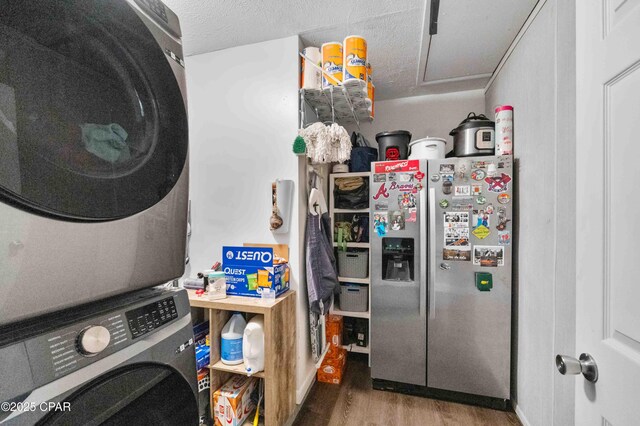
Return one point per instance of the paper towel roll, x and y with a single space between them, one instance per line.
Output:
310 77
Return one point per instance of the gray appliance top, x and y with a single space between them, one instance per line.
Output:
43 349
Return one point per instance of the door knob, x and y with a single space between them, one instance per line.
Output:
585 365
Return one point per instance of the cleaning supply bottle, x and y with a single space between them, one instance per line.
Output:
253 345
231 340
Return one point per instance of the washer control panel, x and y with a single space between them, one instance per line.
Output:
149 317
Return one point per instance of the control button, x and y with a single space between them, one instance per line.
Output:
93 340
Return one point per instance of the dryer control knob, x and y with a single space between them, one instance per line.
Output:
93 340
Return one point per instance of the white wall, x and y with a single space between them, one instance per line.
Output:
243 118
428 115
538 79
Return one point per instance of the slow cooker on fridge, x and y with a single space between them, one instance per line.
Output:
93 152
475 135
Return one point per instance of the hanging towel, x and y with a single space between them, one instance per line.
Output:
322 272
107 141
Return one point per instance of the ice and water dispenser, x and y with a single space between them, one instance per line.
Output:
398 257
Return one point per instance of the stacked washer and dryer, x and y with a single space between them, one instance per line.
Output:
93 208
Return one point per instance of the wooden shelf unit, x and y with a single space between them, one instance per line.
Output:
280 348
367 281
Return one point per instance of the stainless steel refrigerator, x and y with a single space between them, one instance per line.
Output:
441 277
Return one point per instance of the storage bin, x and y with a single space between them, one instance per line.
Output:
353 264
354 297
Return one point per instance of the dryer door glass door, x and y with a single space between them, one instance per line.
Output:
142 394
92 118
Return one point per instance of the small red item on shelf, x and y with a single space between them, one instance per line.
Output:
199 292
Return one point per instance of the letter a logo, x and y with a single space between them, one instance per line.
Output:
382 192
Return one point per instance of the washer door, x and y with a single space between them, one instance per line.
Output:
137 395
92 120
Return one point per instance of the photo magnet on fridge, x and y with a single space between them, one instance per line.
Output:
450 253
397 220
456 229
380 223
490 256
379 177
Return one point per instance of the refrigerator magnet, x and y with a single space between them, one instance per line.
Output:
444 203
447 169
476 189
462 254
380 223
397 221
411 215
498 183
446 187
478 174
489 209
480 199
379 177
481 218
504 198
481 232
435 178
419 175
488 256
406 200
462 191
504 238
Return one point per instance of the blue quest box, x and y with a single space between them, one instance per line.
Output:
248 270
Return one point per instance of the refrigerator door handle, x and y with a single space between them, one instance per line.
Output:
423 257
432 253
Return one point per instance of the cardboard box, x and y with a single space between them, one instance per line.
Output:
232 402
332 368
334 331
248 270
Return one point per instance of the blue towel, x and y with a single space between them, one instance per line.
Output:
107 141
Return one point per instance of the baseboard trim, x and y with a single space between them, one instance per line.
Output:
520 415
301 393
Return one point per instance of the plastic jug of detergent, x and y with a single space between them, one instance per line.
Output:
253 345
231 340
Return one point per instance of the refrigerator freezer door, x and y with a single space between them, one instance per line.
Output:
398 273
469 331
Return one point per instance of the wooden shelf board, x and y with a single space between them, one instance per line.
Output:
350 314
254 305
354 280
357 349
235 369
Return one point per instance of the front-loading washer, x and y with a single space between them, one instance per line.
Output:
126 360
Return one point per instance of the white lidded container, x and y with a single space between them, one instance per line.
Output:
253 345
427 148
231 340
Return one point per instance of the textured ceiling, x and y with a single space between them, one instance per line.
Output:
393 29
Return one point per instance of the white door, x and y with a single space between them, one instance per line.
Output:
608 205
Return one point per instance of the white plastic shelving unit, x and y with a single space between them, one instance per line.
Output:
332 212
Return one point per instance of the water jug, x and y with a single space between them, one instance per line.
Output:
253 345
231 340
